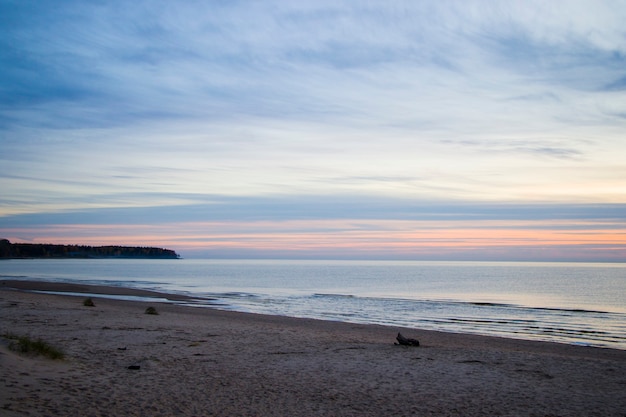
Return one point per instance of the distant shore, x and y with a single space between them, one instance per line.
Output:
10 250
192 361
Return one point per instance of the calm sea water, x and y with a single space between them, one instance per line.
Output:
564 302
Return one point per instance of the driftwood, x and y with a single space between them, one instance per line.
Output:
406 341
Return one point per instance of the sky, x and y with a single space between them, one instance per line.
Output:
423 129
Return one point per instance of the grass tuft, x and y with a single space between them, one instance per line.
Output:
151 310
24 344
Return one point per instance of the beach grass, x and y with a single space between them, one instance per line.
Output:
37 347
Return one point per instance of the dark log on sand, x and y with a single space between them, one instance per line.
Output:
406 341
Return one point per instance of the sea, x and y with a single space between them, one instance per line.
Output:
572 303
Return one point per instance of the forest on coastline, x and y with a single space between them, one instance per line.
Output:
38 250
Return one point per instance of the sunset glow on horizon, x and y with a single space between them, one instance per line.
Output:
381 239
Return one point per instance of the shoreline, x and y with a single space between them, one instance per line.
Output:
61 287
182 300
209 362
79 288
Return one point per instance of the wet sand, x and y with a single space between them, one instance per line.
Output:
195 361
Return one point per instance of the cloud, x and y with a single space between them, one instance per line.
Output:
617 85
206 208
116 109
135 63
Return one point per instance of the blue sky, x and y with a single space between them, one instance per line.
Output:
130 123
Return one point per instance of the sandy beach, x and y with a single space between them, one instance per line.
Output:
191 361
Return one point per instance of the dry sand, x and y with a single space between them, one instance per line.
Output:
204 362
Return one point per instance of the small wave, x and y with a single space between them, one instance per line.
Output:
564 330
473 303
338 314
488 321
488 304
570 310
331 295
201 302
518 306
236 294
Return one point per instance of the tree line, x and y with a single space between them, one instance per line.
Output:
37 250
